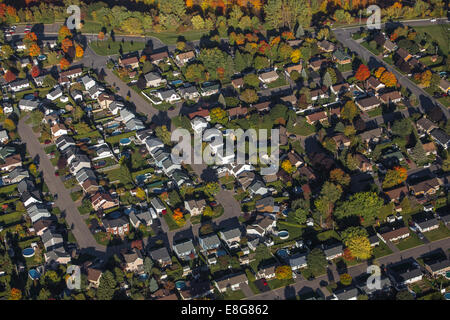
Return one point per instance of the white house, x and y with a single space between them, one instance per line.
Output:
153 79
28 105
54 94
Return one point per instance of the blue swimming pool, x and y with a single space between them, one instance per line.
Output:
180 285
283 253
125 141
447 296
34 274
175 82
28 252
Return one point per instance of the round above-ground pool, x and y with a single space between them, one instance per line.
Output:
125 141
283 253
28 252
447 275
447 296
180 285
34 274
283 234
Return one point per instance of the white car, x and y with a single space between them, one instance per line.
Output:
433 20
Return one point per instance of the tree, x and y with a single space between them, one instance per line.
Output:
418 154
316 261
349 111
300 32
35 71
63 33
402 128
249 96
251 80
300 215
296 55
140 193
394 177
218 115
34 50
148 265
9 76
6 51
49 81
367 200
15 294
340 177
345 279
379 72
362 73
101 36
64 63
360 247
79 52
132 26
9 125
404 294
389 79
198 22
283 272
153 285
327 82
106 288
424 78
287 166
329 194
352 232
164 134
33 169
195 72
212 189
261 62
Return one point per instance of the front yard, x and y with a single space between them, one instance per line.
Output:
437 234
410 242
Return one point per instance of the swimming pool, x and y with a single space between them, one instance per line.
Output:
28 252
34 274
125 141
283 234
180 285
283 253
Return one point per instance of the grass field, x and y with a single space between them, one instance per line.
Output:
172 37
437 234
410 242
438 33
108 47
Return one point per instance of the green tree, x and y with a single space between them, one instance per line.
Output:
367 200
148 265
316 261
153 285
249 96
107 286
218 115
300 215
251 80
212 189
349 111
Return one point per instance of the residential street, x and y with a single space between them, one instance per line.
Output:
80 230
301 284
343 35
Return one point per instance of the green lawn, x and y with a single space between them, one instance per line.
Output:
437 234
375 112
233 295
381 250
276 283
121 175
410 242
438 33
108 47
11 218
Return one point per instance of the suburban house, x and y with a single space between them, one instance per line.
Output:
268 77
367 104
437 264
52 240
134 261
298 261
116 226
169 96
231 237
153 79
54 94
103 201
266 272
209 243
296 67
11 162
131 62
161 256
374 83
426 187
232 282
404 272
58 130
425 222
185 250
341 57
441 138
333 251
156 58
189 92
320 116
346 294
195 207
363 164
72 73
93 277
391 97
19 85
28 105
397 194
326 45
444 85
183 58
389 233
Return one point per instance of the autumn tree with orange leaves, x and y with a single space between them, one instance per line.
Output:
362 73
34 50
79 52
30 37
394 177
15 294
64 63
35 71
389 79
66 44
64 33
9 76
